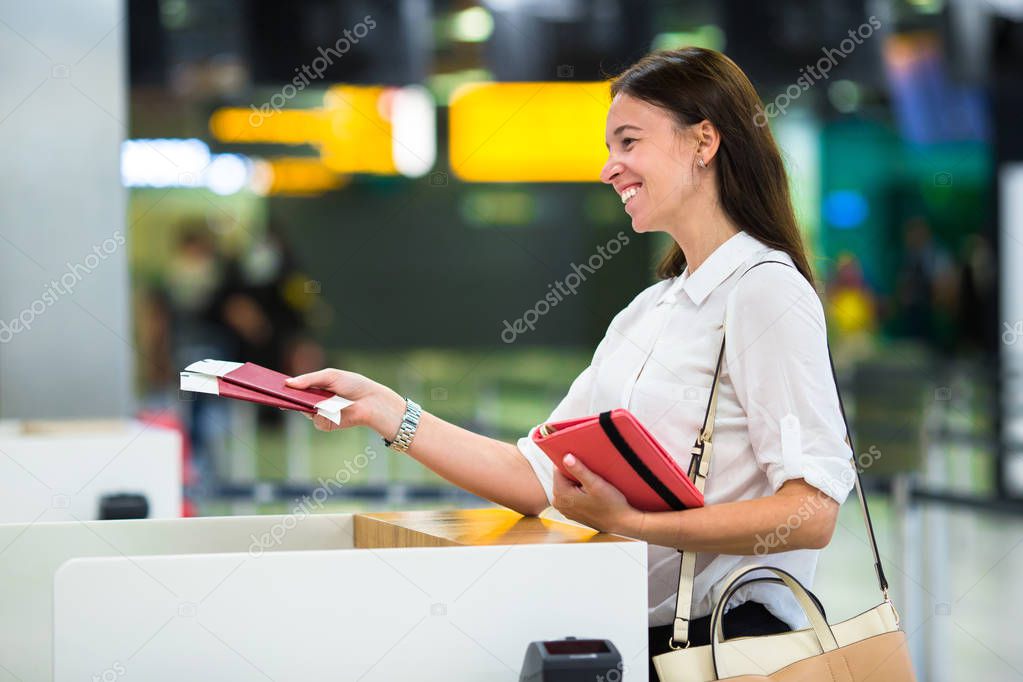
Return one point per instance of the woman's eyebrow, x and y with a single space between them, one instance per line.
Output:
619 129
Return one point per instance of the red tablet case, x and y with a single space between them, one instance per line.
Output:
638 466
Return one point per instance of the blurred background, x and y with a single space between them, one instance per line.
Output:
393 187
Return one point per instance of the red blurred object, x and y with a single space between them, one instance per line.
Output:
168 419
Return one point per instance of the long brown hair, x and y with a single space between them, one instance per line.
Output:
695 84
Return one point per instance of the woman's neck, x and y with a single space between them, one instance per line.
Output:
703 229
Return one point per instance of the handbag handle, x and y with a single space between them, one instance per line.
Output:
700 464
819 624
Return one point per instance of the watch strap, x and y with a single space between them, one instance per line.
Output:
407 429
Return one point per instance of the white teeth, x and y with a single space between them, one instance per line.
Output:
629 193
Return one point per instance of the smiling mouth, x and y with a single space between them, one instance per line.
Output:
629 193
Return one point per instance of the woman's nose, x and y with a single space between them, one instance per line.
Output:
610 170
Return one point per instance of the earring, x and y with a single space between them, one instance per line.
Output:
700 162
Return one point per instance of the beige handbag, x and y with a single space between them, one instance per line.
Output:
869 646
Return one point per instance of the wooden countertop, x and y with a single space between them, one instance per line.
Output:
466 527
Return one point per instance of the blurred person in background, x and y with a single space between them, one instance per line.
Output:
209 304
927 288
193 289
978 301
265 304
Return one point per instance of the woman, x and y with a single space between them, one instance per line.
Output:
688 155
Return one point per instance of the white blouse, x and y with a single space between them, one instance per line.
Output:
778 415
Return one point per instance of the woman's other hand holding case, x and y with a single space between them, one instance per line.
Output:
593 501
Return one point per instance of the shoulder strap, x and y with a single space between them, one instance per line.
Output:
702 452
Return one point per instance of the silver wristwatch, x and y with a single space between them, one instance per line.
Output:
407 430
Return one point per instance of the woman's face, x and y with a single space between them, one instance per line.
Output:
650 163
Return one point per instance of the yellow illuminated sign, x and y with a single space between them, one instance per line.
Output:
360 135
528 132
290 126
360 129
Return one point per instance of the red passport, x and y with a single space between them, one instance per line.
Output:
618 448
257 384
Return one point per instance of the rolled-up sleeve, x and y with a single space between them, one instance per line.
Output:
777 359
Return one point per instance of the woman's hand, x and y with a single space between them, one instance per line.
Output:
595 502
373 404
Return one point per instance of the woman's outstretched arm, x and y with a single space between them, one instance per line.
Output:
483 466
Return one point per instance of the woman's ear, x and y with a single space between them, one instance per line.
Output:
708 141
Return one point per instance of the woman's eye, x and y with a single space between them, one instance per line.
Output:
626 141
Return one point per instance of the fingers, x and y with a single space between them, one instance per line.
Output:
562 483
324 424
564 490
321 379
579 471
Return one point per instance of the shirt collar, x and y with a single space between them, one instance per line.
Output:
721 263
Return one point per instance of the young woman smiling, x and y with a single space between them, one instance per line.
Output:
687 157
